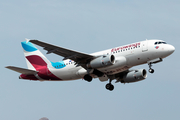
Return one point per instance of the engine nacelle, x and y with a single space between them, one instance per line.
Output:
134 76
102 61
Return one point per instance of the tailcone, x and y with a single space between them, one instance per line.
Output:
20 77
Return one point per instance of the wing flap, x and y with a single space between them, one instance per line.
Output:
22 70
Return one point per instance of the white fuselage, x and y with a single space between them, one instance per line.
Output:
126 57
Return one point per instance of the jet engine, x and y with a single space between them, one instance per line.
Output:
134 76
102 61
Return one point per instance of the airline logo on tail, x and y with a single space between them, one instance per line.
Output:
37 61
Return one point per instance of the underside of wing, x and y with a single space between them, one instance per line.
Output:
22 70
78 57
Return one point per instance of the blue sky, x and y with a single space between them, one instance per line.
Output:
89 26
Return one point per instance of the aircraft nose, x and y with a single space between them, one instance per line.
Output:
171 49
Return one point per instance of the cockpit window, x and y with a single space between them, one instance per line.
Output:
160 43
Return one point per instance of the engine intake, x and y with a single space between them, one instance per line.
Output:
102 61
134 76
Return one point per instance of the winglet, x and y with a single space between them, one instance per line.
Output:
27 40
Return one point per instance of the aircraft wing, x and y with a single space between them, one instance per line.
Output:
78 57
22 70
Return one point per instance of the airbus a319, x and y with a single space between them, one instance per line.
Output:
111 64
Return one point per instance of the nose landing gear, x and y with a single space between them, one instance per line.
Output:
150 69
154 61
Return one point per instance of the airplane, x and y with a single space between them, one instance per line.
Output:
111 64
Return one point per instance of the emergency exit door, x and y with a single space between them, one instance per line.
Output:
145 46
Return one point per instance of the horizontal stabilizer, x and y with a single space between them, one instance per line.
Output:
22 70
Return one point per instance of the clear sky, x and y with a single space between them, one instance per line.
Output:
89 26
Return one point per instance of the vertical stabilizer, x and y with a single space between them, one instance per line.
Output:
34 58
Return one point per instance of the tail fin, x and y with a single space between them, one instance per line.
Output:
34 58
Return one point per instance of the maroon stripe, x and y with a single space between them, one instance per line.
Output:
30 77
40 65
36 61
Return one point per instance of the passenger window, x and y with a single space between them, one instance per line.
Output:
155 43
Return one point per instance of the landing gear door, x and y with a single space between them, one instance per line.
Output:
145 46
103 78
